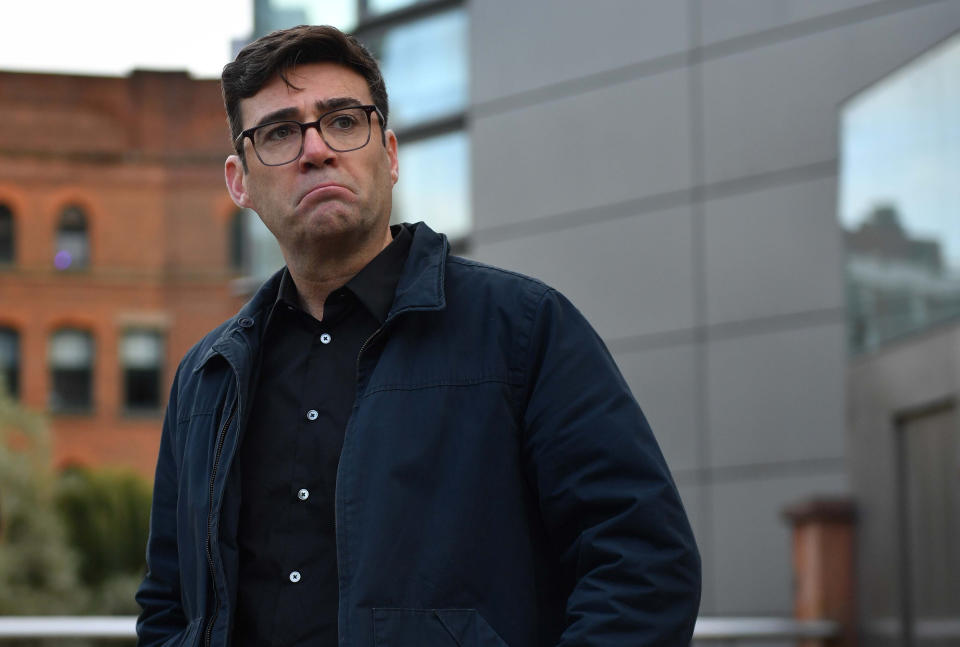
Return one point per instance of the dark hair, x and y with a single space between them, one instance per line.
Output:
283 49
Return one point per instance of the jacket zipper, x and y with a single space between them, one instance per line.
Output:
359 355
363 347
213 475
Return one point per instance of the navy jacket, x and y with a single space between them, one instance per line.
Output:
498 483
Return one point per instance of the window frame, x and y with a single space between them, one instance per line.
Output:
136 411
17 365
83 214
88 407
6 213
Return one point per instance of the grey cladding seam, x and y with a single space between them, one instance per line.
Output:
726 330
652 203
736 45
766 470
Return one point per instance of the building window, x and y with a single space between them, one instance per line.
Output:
254 251
7 236
10 361
71 369
375 7
424 62
900 202
141 357
73 240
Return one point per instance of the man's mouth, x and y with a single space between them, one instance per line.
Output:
324 190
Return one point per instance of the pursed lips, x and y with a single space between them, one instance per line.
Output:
323 187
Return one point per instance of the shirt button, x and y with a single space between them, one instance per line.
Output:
294 576
312 415
303 494
325 338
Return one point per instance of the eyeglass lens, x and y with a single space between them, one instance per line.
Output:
342 130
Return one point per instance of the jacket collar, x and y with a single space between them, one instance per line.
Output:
421 288
421 285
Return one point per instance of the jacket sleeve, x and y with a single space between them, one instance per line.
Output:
607 499
162 617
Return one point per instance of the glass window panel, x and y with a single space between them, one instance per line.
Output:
71 364
900 201
434 184
10 360
383 6
239 241
141 349
141 390
6 234
424 64
280 14
73 244
141 354
265 255
254 251
71 349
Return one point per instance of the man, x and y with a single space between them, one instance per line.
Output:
390 445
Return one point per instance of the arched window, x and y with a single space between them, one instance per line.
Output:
71 371
73 241
7 236
10 360
141 358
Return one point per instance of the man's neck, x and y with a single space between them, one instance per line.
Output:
317 275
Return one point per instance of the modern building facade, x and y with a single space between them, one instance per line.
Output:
673 168
115 250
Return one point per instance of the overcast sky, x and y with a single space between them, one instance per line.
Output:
113 37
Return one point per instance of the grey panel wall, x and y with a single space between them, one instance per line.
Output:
671 166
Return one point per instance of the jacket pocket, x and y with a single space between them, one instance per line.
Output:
189 636
433 628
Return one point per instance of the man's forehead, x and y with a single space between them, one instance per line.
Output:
308 88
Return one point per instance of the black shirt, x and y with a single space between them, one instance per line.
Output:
288 593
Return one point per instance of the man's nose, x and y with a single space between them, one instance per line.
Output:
315 148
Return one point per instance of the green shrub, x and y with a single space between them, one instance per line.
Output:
37 567
107 516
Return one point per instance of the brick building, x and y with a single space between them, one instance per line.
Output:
118 249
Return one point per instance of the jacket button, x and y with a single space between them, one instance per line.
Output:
312 415
295 576
325 338
245 322
303 494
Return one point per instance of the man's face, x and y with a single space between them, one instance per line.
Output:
324 195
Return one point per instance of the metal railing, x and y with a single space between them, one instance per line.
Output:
735 631
123 627
729 630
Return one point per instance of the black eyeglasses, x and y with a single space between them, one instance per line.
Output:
281 142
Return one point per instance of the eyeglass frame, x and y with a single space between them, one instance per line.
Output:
312 124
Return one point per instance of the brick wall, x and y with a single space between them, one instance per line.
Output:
143 157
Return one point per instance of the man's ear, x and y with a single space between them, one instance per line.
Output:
391 146
236 181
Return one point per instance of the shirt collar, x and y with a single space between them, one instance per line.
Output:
374 285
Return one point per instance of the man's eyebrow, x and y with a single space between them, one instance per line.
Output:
337 102
283 114
292 114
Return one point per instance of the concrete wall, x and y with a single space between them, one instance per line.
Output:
671 166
